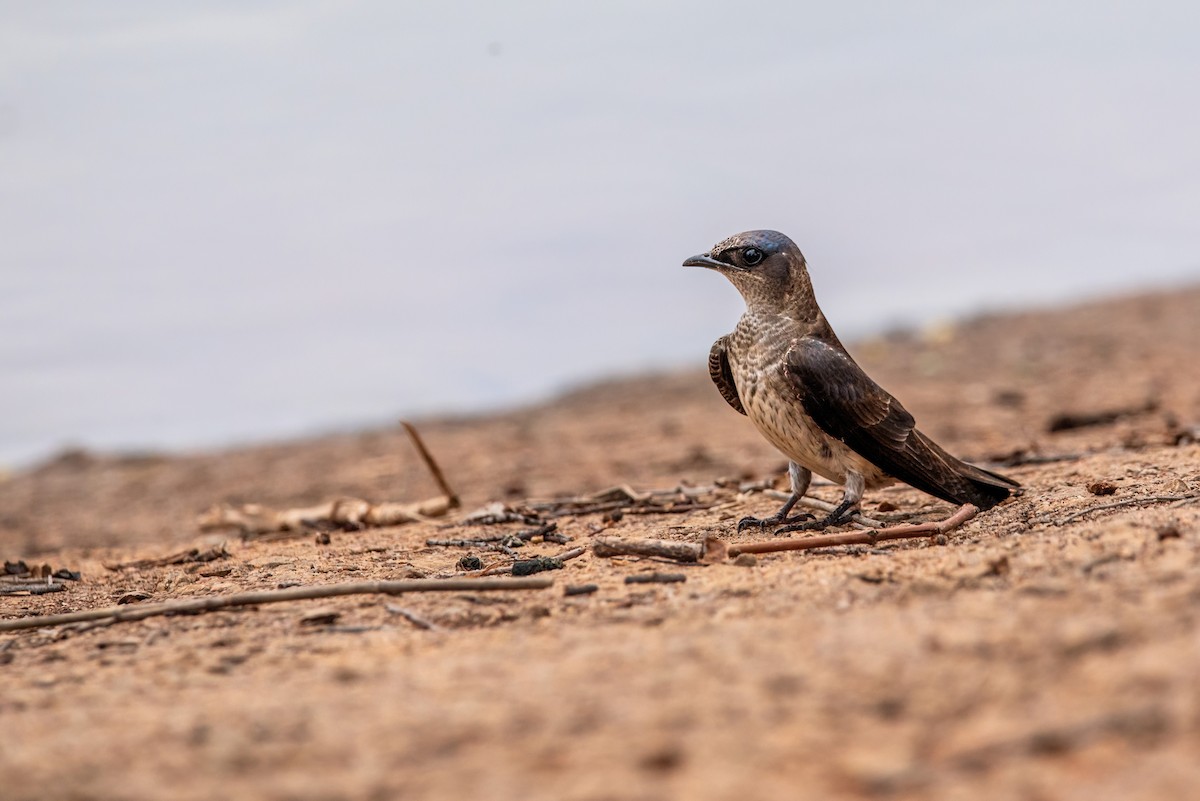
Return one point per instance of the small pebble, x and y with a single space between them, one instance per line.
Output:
1102 487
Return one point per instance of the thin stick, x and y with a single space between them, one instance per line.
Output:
1119 504
431 463
901 532
656 578
412 617
213 603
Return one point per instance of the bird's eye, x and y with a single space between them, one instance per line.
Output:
752 256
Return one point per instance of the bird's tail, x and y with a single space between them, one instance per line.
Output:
982 488
985 488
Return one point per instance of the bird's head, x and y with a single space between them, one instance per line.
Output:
765 266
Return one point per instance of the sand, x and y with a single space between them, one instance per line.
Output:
1049 649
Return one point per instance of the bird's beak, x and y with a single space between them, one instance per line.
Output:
705 260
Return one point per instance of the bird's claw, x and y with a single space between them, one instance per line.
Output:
836 518
763 523
751 522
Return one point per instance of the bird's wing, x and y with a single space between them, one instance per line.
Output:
722 376
847 405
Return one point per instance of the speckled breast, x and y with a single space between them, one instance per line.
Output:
757 357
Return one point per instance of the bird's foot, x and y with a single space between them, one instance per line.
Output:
762 523
842 513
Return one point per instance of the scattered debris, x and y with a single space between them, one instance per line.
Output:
19 578
626 500
18 572
136 596
580 589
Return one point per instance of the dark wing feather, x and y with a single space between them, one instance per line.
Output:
847 405
722 376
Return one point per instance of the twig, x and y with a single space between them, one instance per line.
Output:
548 533
412 617
1066 421
197 605
181 558
431 463
496 513
656 578
664 549
1118 504
37 587
1019 458
901 532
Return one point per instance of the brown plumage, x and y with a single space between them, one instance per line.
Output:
785 369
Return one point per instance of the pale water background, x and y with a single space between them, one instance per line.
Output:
235 221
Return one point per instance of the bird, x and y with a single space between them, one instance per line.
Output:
785 369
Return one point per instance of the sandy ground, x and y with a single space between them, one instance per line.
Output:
1049 649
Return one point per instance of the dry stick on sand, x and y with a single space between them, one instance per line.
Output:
715 550
901 532
119 614
434 469
1177 499
662 549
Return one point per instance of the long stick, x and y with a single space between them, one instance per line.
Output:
193 605
901 532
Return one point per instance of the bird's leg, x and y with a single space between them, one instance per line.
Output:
800 478
856 485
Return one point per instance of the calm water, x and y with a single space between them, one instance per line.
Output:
235 222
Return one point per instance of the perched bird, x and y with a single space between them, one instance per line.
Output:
784 368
